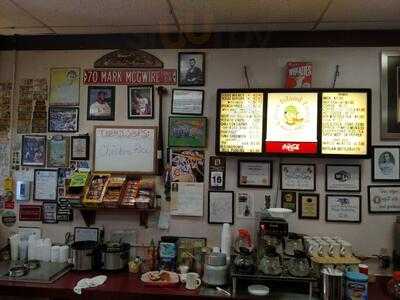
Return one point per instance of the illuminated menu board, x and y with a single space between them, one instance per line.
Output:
344 121
292 123
241 122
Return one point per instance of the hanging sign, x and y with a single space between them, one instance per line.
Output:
129 76
30 212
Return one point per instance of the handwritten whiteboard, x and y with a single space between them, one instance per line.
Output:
125 149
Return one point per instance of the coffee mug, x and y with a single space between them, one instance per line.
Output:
192 281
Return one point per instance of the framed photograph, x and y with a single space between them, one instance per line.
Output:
187 102
299 177
384 199
64 86
220 207
187 132
343 208
80 146
33 152
101 103
58 151
346 178
191 69
63 119
140 102
385 163
49 210
289 200
309 206
45 185
254 173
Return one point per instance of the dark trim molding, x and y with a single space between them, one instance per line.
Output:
256 39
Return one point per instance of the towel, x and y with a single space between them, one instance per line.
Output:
89 282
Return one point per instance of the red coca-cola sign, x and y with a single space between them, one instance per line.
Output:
291 147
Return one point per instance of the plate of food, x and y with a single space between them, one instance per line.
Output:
160 278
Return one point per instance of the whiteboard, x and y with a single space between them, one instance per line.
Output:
125 149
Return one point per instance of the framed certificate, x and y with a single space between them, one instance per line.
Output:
384 199
343 208
299 177
309 206
343 178
45 185
187 102
254 173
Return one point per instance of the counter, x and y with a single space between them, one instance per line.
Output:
127 286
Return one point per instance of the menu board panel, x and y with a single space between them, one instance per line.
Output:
241 122
344 121
292 123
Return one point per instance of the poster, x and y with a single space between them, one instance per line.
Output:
292 123
245 205
64 86
344 123
187 166
5 112
240 122
299 75
187 199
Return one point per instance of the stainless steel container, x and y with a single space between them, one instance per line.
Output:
333 284
84 255
216 269
115 256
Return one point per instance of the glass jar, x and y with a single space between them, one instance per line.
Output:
299 264
270 264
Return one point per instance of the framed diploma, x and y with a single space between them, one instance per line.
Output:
45 185
343 208
49 210
220 207
309 206
254 173
343 178
300 177
384 199
187 102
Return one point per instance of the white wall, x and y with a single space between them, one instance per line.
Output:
359 68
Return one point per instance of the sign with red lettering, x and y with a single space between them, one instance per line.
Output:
129 76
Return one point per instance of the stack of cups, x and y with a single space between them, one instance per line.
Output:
64 254
55 254
14 245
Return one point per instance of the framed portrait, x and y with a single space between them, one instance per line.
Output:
254 173
140 102
343 208
288 200
299 177
45 185
187 102
187 132
385 163
80 146
64 86
346 178
49 210
63 119
33 152
220 207
308 206
384 199
58 151
101 103
191 69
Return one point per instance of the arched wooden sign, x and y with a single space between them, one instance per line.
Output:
134 58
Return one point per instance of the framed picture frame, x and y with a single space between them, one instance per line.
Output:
346 178
58 151
33 150
297 177
308 206
385 163
63 119
101 103
140 102
191 69
187 132
49 210
221 207
187 102
64 86
28 212
289 200
80 147
254 173
45 185
383 199
343 208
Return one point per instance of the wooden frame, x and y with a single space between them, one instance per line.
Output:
301 210
23 152
203 68
298 188
289 204
50 127
112 107
344 221
129 103
204 134
370 187
34 185
87 140
153 171
341 189
231 193
189 114
267 185
373 175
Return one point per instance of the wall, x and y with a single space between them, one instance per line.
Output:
359 68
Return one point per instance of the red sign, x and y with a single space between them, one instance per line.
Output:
30 212
291 147
130 76
299 75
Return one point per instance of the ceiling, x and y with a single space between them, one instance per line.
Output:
35 17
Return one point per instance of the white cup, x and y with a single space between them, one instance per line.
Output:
192 281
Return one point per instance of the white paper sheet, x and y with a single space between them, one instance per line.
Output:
187 199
